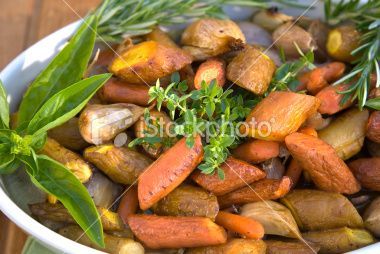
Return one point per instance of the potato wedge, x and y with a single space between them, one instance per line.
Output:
371 217
251 69
373 127
121 164
367 171
290 247
271 19
148 61
234 246
160 36
341 41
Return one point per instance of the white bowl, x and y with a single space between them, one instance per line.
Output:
16 191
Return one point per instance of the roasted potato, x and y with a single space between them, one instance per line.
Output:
346 133
367 171
341 41
276 218
271 19
160 36
121 164
317 210
373 127
211 37
114 244
187 200
252 70
234 246
99 124
371 217
290 247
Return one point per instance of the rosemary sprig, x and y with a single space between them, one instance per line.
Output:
121 18
366 16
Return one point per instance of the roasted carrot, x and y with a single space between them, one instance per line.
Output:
116 91
209 70
168 171
187 73
256 151
331 99
303 79
128 204
308 131
322 76
261 190
237 174
321 161
176 232
245 226
294 171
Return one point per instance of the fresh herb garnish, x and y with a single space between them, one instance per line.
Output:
56 95
366 17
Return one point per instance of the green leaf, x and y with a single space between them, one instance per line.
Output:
55 179
221 174
65 104
65 69
373 103
4 108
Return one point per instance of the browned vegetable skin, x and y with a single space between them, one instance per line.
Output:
121 164
234 246
340 240
211 37
320 160
176 232
317 122
160 36
276 218
74 162
287 35
99 124
148 61
371 217
294 171
342 41
251 69
187 200
290 247
237 174
168 171
118 91
279 114
113 244
57 212
212 69
256 151
271 19
261 190
68 135
367 171
373 127
318 210
319 31
346 133
129 204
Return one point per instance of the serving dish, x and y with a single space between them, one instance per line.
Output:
16 191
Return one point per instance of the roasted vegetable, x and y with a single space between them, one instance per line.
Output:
247 227
121 164
254 34
279 114
68 135
176 232
373 127
294 171
160 36
129 204
262 190
114 245
252 70
212 69
342 41
69 159
320 160
234 246
331 99
273 168
276 218
339 240
148 61
367 171
57 212
319 31
291 247
211 37
287 35
118 91
168 172
317 122
237 174
317 210
255 151
99 124
187 200
371 217
346 133
271 19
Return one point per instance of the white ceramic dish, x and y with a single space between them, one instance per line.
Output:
16 191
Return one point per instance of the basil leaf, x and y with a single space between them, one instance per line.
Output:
65 104
65 69
55 179
4 108
5 160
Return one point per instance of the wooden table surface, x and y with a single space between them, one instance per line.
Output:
24 22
